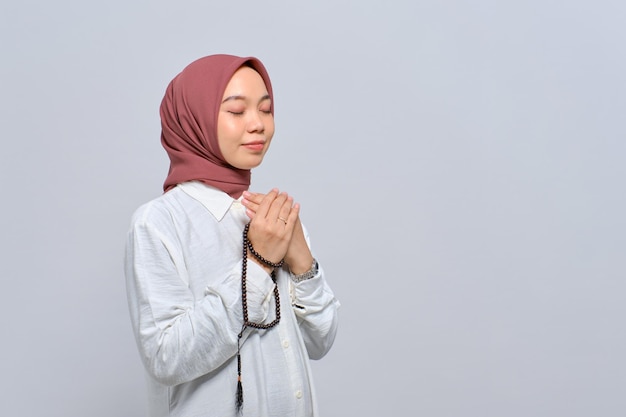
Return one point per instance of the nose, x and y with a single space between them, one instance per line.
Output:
255 122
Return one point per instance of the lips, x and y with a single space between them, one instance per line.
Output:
255 146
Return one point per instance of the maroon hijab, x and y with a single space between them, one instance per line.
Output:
189 114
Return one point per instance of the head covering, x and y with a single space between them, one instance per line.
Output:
189 114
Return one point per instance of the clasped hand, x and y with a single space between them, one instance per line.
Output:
275 229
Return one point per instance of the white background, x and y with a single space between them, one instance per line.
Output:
460 167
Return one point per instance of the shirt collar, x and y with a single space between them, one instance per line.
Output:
216 201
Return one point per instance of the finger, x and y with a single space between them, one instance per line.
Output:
253 197
293 218
251 214
250 205
276 206
266 203
285 210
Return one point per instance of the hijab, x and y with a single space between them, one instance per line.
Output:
189 113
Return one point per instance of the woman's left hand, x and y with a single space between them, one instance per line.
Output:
298 256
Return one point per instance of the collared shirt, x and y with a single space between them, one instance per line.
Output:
183 274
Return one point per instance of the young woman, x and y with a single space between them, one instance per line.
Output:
226 299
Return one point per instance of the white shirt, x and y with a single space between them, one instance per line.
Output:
183 275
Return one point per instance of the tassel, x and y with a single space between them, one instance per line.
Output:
239 396
239 402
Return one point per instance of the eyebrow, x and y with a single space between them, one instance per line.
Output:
240 97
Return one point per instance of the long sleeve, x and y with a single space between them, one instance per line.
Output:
180 337
316 308
183 275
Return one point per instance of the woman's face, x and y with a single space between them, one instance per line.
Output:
245 124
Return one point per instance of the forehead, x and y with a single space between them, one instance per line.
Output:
246 81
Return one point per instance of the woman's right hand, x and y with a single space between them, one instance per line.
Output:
272 227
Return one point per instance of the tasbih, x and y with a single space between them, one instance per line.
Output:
247 246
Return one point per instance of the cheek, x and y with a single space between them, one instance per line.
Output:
227 133
227 127
270 128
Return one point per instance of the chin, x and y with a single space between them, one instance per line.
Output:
249 164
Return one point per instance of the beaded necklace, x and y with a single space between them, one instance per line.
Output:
247 246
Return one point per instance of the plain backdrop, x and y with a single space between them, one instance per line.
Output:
461 168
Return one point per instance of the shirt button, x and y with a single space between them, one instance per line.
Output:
285 344
298 394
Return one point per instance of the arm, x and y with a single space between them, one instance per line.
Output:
313 301
181 338
316 308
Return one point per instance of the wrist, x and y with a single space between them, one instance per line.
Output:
301 265
308 274
265 266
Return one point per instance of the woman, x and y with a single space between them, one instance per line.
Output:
224 311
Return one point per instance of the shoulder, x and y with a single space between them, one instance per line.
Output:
158 212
